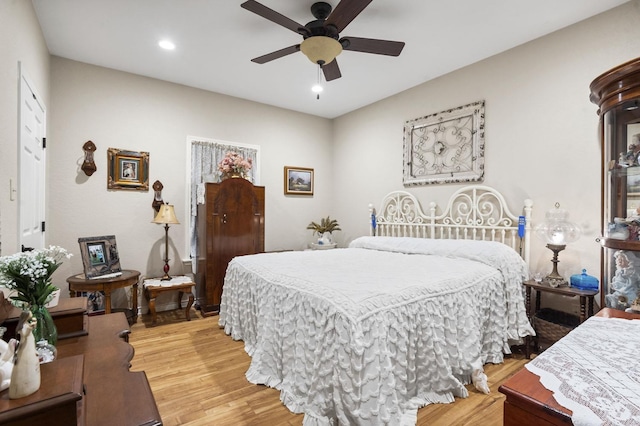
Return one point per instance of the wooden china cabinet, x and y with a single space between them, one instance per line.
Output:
230 223
617 94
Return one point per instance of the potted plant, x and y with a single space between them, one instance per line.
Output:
324 229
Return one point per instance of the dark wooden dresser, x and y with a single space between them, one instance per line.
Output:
230 223
89 383
529 403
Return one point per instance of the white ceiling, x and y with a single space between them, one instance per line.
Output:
216 39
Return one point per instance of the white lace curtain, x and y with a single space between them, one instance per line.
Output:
205 157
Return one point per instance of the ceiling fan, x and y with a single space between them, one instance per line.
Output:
322 42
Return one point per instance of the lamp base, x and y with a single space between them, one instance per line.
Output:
554 279
166 276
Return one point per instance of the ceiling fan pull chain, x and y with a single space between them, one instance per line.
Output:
317 88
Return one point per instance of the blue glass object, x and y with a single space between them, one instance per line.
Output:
583 281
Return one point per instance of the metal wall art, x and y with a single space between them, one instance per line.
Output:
445 147
128 170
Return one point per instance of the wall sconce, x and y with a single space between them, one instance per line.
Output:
88 165
557 231
166 216
157 195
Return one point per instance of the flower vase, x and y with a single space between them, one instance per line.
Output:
45 334
325 239
231 175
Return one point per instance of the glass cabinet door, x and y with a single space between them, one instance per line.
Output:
617 93
621 208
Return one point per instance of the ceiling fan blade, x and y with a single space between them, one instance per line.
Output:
344 13
271 15
331 70
371 45
277 54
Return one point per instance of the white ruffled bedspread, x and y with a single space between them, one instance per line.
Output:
369 334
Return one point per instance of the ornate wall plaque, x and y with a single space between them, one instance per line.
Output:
445 147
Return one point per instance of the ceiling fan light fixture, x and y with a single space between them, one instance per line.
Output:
167 44
321 49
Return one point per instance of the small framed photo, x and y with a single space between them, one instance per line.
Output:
95 301
298 181
99 255
128 170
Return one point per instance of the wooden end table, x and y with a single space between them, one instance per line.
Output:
586 301
128 278
529 403
181 284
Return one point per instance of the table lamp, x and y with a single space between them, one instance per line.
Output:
166 216
557 231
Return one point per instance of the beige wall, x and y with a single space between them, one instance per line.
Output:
22 42
119 110
541 131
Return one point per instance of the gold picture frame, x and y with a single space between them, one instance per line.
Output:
298 181
128 170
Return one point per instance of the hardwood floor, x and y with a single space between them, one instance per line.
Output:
196 373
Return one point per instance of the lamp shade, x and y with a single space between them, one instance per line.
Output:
166 215
321 49
556 228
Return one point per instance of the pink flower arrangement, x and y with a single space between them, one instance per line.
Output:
234 163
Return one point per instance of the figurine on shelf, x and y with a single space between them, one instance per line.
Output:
635 307
626 281
25 376
631 157
619 229
7 352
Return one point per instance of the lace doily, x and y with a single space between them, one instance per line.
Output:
595 372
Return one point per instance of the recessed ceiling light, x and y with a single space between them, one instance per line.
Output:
316 88
166 44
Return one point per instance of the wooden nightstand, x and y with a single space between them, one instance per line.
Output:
586 301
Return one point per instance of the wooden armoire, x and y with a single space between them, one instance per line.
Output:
230 223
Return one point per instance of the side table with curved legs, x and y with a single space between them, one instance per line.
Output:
128 278
154 286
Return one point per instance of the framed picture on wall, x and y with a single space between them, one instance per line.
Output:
99 255
128 170
298 181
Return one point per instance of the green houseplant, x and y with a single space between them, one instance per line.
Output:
324 229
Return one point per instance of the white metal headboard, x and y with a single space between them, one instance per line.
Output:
473 213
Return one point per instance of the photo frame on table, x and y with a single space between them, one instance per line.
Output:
99 256
298 180
128 170
445 147
95 301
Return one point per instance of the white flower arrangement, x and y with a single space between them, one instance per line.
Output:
27 275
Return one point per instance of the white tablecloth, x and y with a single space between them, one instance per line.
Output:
157 282
595 372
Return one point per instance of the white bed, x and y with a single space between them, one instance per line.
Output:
360 335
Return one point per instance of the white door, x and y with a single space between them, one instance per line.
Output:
31 195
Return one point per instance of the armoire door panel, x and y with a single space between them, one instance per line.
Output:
230 224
